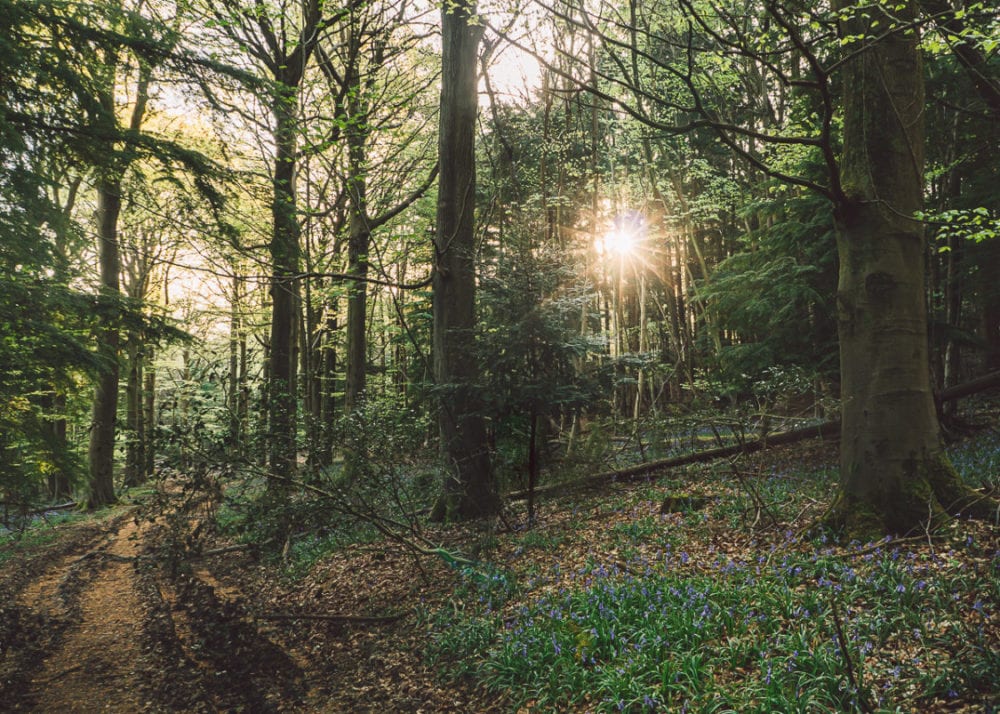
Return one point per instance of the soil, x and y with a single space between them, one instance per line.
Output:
125 616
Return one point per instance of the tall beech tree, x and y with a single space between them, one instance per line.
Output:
892 463
361 69
469 488
109 178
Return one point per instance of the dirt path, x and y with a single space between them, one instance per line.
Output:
95 667
126 615
100 626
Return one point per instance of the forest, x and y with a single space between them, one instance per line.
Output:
527 356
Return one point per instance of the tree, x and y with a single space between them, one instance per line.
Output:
280 41
109 205
469 488
359 73
893 466
894 473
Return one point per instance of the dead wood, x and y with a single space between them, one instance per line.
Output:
826 430
111 556
969 388
343 619
226 549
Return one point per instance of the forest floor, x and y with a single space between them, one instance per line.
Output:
139 612
99 619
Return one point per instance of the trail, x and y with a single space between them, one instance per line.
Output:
128 614
102 627
96 666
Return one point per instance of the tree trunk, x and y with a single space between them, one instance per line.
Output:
149 414
58 483
894 472
101 484
328 383
357 267
135 458
469 488
235 339
285 265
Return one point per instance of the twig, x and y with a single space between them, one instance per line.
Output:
226 549
345 619
842 641
881 544
59 675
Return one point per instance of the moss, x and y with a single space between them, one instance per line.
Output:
683 502
930 493
957 498
850 518
915 506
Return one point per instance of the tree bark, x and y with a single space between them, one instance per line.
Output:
135 455
149 414
284 250
469 489
101 484
357 267
895 475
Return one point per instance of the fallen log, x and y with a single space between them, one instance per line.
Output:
969 388
826 430
38 510
226 549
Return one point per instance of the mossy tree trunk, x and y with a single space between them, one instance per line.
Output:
895 475
469 490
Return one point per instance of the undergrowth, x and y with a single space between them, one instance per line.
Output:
691 612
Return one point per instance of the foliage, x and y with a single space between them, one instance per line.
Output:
332 506
977 225
664 639
534 354
774 295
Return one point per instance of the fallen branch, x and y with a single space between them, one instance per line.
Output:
853 679
344 619
968 388
826 430
390 528
226 549
39 510
60 675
